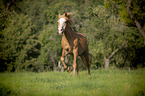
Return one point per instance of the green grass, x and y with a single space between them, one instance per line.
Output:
100 83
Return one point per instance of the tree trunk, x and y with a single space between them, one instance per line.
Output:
107 60
106 63
135 21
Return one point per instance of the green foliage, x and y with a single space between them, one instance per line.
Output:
50 50
113 6
125 16
35 10
29 42
138 10
105 36
118 7
7 7
101 82
133 35
56 7
20 42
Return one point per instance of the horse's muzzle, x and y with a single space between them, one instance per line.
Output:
60 33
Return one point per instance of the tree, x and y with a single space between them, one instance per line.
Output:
51 49
7 7
20 44
107 60
132 14
35 10
28 38
105 35
134 19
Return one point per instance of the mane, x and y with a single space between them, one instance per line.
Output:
68 17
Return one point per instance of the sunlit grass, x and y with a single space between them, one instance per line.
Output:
100 83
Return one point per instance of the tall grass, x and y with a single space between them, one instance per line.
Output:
100 83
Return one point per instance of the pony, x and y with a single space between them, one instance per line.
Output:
72 43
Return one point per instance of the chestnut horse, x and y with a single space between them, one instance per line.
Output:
72 42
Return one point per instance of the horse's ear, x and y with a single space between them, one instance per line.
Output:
69 15
59 15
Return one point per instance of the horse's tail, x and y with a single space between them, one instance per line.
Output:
91 56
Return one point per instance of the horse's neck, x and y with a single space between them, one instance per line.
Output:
69 33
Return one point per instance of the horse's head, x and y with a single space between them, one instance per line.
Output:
62 22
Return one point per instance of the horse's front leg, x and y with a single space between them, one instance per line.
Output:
62 60
75 52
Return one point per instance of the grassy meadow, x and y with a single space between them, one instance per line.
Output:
101 82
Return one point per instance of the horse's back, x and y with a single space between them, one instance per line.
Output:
82 35
82 43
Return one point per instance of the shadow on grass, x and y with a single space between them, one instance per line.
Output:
6 91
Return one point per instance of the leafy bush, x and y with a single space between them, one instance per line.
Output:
20 42
29 42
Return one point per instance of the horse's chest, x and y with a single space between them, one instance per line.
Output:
66 46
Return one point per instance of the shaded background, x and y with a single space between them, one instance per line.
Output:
29 39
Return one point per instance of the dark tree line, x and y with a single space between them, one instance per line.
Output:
29 42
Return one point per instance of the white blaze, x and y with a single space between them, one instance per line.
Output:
61 22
